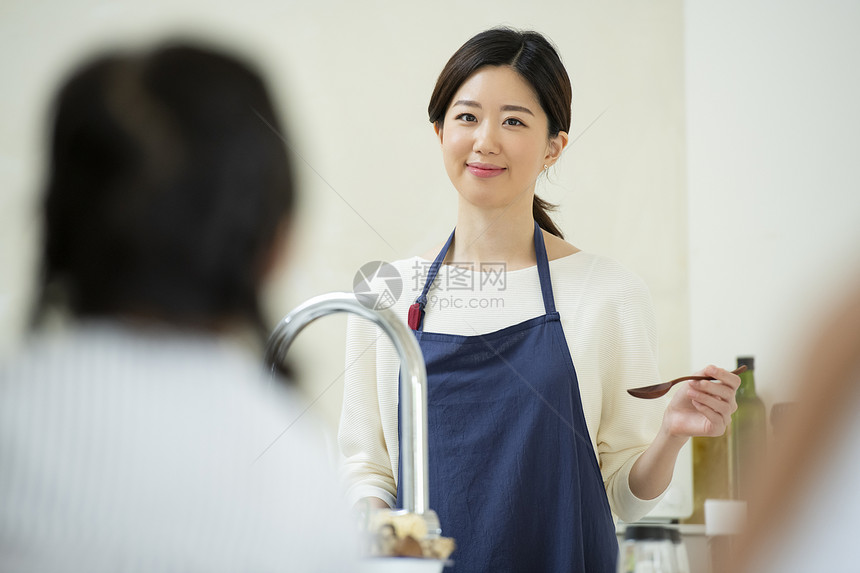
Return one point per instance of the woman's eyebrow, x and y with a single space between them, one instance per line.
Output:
517 108
473 103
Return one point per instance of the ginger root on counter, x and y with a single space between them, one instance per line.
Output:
405 535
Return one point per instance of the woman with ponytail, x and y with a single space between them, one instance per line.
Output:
529 342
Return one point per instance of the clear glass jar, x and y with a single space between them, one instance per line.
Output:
647 549
680 551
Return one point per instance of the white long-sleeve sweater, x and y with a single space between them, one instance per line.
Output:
608 320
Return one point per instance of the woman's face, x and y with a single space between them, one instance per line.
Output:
494 138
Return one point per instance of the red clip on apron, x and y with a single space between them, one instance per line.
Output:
513 475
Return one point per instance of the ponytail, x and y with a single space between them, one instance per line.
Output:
541 210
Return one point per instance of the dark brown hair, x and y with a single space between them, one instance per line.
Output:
535 59
167 184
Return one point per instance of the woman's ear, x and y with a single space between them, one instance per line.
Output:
437 127
555 146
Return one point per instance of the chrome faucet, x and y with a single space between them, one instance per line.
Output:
413 388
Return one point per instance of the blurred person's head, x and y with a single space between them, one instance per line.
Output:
168 188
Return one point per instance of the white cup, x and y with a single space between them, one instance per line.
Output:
725 516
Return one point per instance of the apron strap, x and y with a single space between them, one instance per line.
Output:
543 271
416 311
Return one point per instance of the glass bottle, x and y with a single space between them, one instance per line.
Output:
748 433
781 418
710 473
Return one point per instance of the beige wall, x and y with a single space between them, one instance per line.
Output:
774 177
353 79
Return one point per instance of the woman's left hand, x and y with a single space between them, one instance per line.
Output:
703 407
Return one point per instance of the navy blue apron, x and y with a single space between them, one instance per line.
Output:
513 476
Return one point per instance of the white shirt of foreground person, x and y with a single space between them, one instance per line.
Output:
134 450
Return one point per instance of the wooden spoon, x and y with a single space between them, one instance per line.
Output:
657 390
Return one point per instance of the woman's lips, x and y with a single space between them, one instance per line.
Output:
484 169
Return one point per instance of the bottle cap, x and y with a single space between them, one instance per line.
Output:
725 516
747 361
